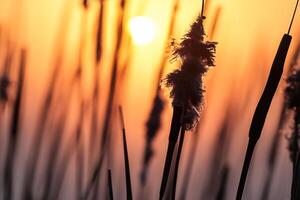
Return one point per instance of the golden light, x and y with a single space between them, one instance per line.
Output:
142 30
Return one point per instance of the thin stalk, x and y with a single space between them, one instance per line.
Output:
180 146
95 98
56 144
113 81
110 186
14 131
47 104
295 10
110 102
221 194
126 159
263 108
273 155
190 160
173 137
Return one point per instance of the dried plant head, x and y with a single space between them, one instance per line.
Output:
292 96
292 90
186 84
193 45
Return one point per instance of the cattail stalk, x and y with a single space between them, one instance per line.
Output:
154 120
263 105
273 155
186 83
276 138
126 159
190 161
180 146
14 131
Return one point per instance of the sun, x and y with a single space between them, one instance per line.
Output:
142 30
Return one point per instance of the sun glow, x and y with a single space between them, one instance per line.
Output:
142 30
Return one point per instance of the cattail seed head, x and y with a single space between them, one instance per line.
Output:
186 84
293 90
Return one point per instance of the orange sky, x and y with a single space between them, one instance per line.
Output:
248 34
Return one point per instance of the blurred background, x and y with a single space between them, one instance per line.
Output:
60 40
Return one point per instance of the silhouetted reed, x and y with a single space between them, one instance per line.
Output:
99 33
197 56
273 154
110 186
221 193
264 103
14 130
47 105
219 153
110 101
5 79
126 159
154 120
95 97
190 161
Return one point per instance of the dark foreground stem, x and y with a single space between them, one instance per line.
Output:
263 108
126 159
14 131
110 187
248 157
181 140
174 132
221 194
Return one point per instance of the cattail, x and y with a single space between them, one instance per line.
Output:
264 103
14 130
197 56
273 154
154 120
126 159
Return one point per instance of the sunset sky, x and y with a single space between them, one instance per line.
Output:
248 34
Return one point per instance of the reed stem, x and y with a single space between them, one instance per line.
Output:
173 136
126 159
181 140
